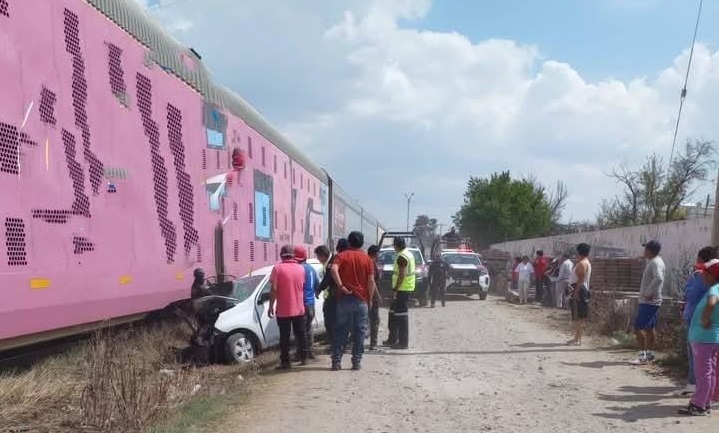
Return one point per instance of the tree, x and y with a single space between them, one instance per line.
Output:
426 229
655 192
502 209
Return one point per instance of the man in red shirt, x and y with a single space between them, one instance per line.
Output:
288 280
540 268
353 271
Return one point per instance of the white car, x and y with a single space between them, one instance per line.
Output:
245 329
466 273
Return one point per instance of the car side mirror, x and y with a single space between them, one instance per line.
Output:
264 297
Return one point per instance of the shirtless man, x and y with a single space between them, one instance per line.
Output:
579 286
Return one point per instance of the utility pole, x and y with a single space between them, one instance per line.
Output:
409 200
715 227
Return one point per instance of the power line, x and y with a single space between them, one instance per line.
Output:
686 81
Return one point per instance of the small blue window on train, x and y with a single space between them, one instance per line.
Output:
215 139
263 223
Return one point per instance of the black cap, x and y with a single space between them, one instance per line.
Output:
653 246
287 252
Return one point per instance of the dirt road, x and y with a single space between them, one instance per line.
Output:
472 367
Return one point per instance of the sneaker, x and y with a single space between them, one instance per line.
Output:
692 410
687 390
641 359
388 343
372 347
336 366
356 366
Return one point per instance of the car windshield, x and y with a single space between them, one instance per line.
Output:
245 287
462 259
388 257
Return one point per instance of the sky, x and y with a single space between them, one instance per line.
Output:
399 96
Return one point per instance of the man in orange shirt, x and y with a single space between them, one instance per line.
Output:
353 271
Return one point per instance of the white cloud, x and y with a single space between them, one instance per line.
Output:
388 108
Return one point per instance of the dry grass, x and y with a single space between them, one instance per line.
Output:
124 381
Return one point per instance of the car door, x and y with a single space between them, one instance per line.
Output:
270 329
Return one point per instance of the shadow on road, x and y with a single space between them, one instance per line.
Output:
481 352
650 407
540 345
596 364
641 412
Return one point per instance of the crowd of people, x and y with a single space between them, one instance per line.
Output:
352 301
348 285
564 284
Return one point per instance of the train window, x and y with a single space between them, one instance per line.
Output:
302 180
275 164
215 139
314 189
249 147
215 126
263 156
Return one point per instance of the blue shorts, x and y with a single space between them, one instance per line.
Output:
646 317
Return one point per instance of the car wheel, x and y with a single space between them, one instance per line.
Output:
240 348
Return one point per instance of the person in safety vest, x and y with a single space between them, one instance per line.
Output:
403 284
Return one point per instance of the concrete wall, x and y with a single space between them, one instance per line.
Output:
680 242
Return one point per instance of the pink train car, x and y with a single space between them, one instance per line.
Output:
123 168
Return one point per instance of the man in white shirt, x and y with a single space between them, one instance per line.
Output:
524 278
565 272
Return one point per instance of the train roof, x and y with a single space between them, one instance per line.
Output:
167 52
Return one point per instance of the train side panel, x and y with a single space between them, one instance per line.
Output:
107 164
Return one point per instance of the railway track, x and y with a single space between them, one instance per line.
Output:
23 358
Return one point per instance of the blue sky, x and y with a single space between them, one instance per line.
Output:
600 38
558 89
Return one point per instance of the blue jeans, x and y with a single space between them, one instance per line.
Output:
352 313
691 379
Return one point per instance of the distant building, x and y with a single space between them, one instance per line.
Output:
698 210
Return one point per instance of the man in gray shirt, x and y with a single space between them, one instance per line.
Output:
650 299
